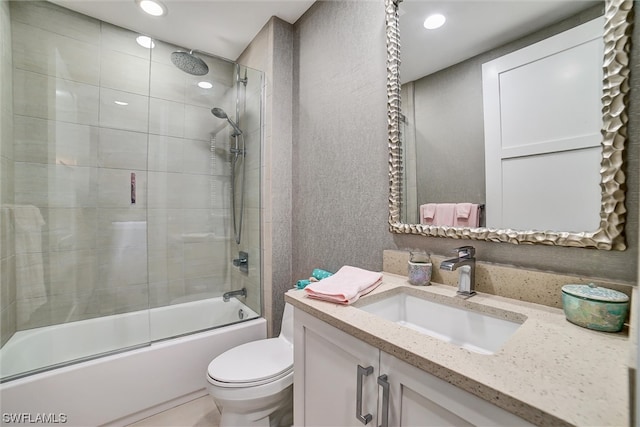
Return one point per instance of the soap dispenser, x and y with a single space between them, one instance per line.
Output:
419 268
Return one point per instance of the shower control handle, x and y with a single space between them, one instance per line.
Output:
239 261
242 262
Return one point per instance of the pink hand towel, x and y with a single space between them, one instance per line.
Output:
463 210
345 286
472 212
427 212
445 214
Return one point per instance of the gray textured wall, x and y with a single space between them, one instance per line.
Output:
449 133
340 181
340 170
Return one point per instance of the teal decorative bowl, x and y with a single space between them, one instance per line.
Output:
596 308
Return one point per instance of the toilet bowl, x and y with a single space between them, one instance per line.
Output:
252 384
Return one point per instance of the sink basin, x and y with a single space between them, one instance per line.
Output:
473 330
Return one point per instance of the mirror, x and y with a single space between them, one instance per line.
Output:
607 212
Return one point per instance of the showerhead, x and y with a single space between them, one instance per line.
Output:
219 113
189 63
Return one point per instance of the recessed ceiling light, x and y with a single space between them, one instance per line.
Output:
152 7
120 103
205 85
434 21
146 42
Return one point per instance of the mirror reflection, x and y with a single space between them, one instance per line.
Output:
501 114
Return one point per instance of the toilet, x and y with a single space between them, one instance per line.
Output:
252 384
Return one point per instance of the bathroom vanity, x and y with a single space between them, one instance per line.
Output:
364 365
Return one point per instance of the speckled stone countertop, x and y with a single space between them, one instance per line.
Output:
550 372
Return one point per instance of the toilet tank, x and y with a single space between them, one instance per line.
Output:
286 329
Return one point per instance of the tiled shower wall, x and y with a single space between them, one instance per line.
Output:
7 253
83 249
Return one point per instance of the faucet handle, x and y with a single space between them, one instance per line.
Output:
465 251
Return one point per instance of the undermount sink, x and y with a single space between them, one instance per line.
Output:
469 329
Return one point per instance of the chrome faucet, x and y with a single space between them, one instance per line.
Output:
466 266
227 295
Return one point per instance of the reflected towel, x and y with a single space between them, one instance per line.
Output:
467 215
445 214
463 210
345 286
427 212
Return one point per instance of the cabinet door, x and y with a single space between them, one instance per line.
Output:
421 399
326 375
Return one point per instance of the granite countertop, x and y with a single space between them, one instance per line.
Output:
550 372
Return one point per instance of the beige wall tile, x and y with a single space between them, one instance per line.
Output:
49 141
165 153
134 116
56 186
69 229
58 20
199 123
166 117
119 149
195 95
70 272
55 55
165 190
121 227
197 157
167 82
7 322
75 102
124 72
8 281
194 187
121 40
122 265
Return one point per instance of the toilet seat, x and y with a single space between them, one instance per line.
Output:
252 364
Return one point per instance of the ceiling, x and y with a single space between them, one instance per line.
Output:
472 27
225 27
220 27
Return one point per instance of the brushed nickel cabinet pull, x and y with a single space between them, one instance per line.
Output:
362 372
382 381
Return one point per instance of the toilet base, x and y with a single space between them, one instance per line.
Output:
272 412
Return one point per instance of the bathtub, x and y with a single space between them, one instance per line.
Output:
120 388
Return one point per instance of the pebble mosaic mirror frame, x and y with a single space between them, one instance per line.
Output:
610 233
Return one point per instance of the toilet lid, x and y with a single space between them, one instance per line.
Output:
256 361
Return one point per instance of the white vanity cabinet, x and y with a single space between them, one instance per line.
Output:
332 368
325 373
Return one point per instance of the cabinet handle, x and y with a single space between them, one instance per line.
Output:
364 419
382 381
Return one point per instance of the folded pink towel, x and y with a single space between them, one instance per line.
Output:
427 212
463 210
445 214
345 286
467 215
